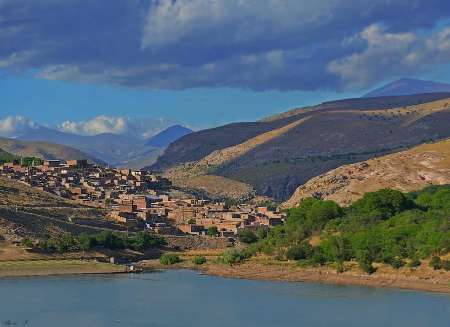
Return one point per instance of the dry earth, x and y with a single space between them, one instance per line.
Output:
407 171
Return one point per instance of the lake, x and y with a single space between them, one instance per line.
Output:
185 298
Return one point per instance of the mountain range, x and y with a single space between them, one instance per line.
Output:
277 154
120 150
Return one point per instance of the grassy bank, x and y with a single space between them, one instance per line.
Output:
19 268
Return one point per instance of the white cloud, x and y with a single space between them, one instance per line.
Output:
13 126
140 128
391 53
97 125
239 21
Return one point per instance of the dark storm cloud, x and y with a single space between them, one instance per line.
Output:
255 44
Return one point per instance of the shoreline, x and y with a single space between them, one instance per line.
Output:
252 271
67 267
439 283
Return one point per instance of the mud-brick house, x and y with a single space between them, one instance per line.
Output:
192 229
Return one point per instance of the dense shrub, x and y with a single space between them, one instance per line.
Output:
168 259
212 231
445 264
299 251
247 236
414 263
435 263
384 226
141 241
234 256
397 263
199 260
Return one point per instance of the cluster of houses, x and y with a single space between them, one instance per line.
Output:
139 199
85 183
167 215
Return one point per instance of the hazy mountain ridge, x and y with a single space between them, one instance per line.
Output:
335 133
406 171
113 149
167 136
408 86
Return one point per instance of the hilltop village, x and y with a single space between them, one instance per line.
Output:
139 199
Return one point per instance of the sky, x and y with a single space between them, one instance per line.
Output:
204 63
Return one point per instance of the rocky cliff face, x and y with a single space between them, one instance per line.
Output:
407 171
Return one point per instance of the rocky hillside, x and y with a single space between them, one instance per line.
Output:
42 150
279 153
406 171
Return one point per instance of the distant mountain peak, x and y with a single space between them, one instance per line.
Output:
408 86
169 135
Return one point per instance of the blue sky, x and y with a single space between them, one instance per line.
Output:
50 102
209 62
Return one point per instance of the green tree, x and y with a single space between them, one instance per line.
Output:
381 205
212 231
299 251
335 248
143 241
86 242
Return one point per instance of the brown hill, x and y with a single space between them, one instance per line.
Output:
407 171
42 150
14 193
280 153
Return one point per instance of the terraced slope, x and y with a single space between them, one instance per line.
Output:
407 171
302 144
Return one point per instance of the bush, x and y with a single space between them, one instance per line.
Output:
168 259
110 240
435 263
445 264
247 236
262 233
318 257
414 263
365 262
396 263
199 260
212 231
299 252
26 242
143 241
233 256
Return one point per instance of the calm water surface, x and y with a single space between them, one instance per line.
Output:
183 298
